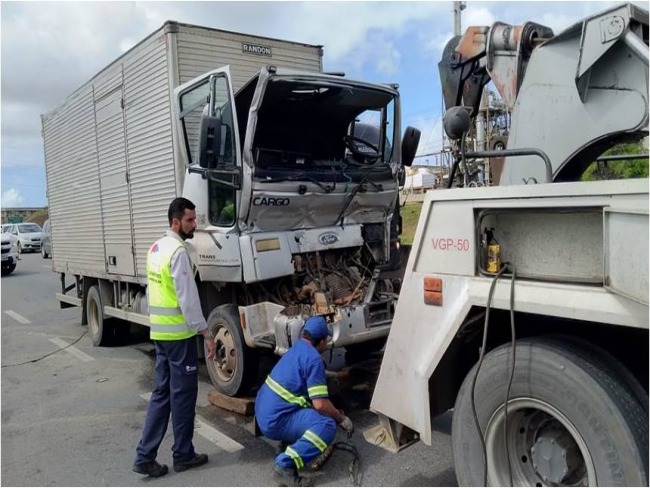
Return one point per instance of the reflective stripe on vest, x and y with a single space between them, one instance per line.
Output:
165 315
165 311
285 394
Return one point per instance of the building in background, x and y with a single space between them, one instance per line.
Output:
14 215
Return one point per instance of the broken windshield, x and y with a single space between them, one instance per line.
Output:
306 124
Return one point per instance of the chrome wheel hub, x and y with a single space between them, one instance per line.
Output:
542 447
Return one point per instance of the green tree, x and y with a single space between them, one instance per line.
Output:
39 217
616 170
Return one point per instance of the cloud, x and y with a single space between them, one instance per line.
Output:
368 36
477 16
12 198
399 42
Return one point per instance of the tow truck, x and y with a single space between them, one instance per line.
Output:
524 306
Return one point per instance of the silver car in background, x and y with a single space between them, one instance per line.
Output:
46 241
28 236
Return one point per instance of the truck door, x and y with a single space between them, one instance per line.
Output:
114 179
210 145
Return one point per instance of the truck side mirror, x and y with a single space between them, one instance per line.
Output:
209 141
410 143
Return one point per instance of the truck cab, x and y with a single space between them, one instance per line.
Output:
296 180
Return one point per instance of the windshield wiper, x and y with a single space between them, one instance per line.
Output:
352 194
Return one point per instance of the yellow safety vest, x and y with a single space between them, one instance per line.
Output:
165 315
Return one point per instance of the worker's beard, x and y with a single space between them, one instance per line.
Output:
185 235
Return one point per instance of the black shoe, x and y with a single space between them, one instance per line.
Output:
285 476
151 468
196 461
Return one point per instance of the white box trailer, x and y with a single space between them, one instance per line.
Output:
112 155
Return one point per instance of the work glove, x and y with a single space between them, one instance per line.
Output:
347 425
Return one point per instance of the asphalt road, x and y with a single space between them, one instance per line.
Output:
73 417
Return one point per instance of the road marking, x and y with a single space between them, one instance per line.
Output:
72 350
18 317
202 428
213 435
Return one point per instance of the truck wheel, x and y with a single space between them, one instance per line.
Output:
612 363
572 420
235 365
19 248
102 330
8 269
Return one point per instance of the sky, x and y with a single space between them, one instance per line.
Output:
49 49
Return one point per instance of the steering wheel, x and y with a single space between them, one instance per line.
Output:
355 145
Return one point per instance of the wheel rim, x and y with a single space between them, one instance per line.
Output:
544 447
225 361
93 317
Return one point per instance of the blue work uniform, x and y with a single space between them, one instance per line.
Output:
283 409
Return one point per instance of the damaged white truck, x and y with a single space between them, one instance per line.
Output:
295 180
524 306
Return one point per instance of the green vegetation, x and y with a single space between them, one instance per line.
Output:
616 170
410 215
38 217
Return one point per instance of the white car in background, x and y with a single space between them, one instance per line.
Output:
9 253
28 235
6 230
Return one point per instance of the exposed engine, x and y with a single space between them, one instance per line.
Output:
322 281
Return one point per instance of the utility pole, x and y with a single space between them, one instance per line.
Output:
458 8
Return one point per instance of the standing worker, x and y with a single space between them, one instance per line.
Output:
283 410
176 317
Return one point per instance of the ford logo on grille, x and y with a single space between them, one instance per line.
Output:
328 238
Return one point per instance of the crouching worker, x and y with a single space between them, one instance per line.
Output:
293 405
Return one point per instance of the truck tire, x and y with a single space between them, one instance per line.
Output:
8 269
572 420
103 331
605 359
235 366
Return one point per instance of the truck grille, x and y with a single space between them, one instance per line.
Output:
5 243
5 250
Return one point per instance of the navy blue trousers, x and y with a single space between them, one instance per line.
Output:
176 391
